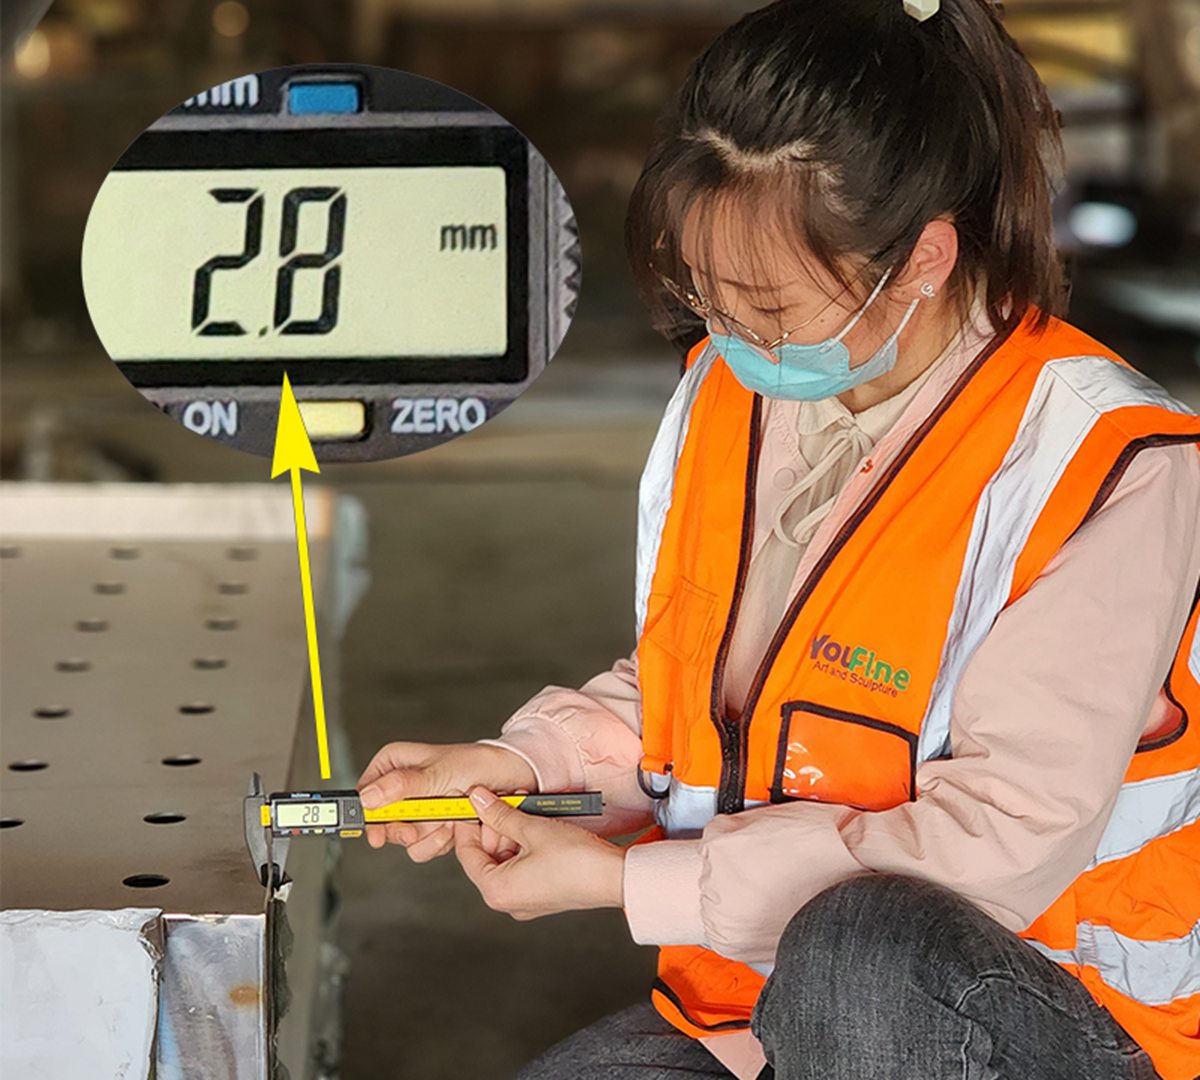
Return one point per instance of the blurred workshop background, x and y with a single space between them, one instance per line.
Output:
458 627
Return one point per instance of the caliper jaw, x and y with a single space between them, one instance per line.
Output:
268 853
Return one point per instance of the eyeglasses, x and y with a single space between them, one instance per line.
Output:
696 302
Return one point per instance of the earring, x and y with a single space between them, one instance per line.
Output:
928 291
921 9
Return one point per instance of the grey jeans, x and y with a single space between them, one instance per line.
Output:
884 977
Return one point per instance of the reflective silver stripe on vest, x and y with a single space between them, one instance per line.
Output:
1152 972
1147 809
1069 397
658 477
688 808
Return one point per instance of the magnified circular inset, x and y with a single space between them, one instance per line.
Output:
399 251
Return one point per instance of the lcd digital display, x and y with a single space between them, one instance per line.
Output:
306 815
300 263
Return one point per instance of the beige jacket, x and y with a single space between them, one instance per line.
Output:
1045 717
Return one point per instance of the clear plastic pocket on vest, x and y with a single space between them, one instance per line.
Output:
832 755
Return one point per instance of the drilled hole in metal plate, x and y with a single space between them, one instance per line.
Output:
51 712
109 588
10 551
196 708
145 881
209 663
91 626
73 664
233 588
28 765
125 552
165 817
11 822
242 554
179 760
221 624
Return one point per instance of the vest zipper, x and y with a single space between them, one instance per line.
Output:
735 739
728 729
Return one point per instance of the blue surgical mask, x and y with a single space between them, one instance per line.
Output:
808 372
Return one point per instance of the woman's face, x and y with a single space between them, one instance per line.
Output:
760 279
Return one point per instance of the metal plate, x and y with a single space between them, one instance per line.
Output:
124 651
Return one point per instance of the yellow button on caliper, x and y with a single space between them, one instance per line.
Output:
329 421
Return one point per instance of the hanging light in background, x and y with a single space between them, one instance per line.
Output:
33 57
230 18
1102 224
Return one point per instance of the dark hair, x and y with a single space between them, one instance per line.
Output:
852 125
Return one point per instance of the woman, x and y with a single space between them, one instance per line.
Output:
917 618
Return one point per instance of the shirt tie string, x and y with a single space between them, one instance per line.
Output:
849 439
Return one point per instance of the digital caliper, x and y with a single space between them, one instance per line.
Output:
272 820
294 813
402 252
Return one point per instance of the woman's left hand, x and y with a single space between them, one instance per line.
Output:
540 866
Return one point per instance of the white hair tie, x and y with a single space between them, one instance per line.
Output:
921 9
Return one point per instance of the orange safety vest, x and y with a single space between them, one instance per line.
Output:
855 690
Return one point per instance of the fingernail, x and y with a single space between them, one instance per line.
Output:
371 797
481 798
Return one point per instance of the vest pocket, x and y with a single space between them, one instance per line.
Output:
679 622
832 755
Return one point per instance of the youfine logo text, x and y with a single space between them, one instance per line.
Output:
858 665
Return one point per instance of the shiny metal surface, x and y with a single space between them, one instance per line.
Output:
151 726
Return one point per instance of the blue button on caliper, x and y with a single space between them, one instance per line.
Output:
311 98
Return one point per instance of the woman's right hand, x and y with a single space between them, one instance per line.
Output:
405 770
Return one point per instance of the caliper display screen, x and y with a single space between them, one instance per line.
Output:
306 815
300 264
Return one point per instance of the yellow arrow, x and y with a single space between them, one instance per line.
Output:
293 452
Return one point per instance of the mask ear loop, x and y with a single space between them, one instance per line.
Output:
858 315
904 322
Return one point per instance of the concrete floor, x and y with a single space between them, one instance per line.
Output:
485 592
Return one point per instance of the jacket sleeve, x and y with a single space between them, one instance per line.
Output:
1044 722
587 740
